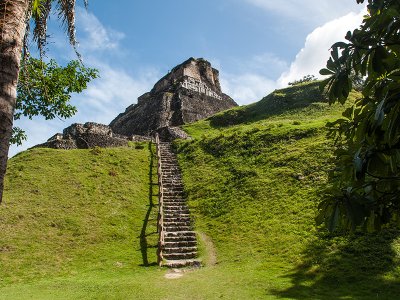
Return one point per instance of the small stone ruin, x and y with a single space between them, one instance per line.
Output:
89 135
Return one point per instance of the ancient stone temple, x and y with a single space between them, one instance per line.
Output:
190 92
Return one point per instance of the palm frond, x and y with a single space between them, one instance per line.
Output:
40 17
66 13
39 11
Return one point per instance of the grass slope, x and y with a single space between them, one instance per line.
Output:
80 224
255 175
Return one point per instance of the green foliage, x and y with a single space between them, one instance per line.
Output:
45 89
18 135
368 135
306 78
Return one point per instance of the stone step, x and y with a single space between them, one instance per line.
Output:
176 206
177 219
176 203
179 249
175 244
177 185
168 178
178 194
174 199
179 223
177 209
180 239
175 214
174 194
169 192
181 263
189 233
170 186
171 178
175 256
172 203
169 161
170 173
177 228
172 183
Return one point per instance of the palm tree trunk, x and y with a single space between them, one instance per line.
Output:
12 30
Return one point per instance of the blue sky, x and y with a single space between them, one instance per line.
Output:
257 45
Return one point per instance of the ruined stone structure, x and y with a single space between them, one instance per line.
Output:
88 135
190 92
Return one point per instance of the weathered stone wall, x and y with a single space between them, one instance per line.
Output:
168 134
190 92
195 105
193 84
84 136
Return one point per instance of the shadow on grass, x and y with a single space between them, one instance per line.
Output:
362 266
144 245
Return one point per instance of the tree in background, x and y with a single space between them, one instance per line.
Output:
45 89
306 78
367 138
15 20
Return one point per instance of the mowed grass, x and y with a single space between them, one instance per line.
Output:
255 175
80 224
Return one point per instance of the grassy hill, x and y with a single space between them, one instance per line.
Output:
81 224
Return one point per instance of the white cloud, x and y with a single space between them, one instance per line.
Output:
109 95
316 51
104 99
96 37
265 64
260 75
309 11
106 96
246 88
249 80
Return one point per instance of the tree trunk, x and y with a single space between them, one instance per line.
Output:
12 30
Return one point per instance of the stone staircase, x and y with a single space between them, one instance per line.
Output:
178 245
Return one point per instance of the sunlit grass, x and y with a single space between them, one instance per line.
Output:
72 221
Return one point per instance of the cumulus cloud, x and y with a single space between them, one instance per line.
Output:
106 96
316 51
109 95
261 74
309 11
104 99
96 36
246 88
249 80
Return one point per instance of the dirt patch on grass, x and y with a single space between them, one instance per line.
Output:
174 274
211 253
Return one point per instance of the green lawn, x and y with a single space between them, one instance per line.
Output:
80 225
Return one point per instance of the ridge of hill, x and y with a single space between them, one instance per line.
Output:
254 176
